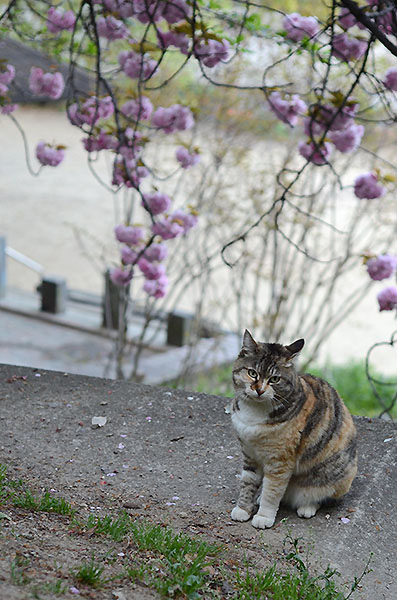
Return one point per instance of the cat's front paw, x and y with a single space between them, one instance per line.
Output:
239 514
263 521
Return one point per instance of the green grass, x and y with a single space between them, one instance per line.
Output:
350 381
352 384
46 503
175 564
89 573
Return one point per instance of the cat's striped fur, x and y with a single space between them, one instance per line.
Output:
297 437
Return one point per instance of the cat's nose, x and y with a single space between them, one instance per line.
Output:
260 392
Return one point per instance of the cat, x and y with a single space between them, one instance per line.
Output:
297 437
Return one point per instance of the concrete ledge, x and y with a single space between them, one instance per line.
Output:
172 455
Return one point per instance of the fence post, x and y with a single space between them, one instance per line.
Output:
53 294
179 328
110 304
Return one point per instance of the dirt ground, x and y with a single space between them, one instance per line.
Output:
170 457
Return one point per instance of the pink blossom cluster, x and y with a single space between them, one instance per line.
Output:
174 225
387 298
49 155
298 27
348 139
136 65
100 140
128 172
7 74
287 111
348 48
111 28
58 20
173 38
90 111
173 118
154 10
185 158
210 52
390 80
156 202
382 267
337 125
140 109
376 9
120 8
368 186
130 144
46 84
147 257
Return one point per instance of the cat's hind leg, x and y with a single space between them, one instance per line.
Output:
306 500
251 478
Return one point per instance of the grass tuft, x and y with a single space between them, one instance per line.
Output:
89 573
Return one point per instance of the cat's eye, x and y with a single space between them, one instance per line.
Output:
274 379
252 373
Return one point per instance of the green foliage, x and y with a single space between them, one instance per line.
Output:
89 573
19 566
352 384
350 381
45 503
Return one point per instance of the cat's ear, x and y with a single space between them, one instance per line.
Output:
249 344
294 348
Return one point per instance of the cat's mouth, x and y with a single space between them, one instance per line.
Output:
262 397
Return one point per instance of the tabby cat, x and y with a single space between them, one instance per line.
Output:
297 437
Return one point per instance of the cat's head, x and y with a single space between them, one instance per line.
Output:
265 372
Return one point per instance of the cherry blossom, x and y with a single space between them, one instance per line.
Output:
100 141
151 270
91 110
128 234
7 109
128 256
156 252
210 52
382 267
315 153
387 298
121 276
346 19
390 80
7 74
136 65
348 48
287 111
347 140
368 186
167 228
46 84
187 220
185 158
58 20
298 27
49 155
157 202
176 10
128 172
157 288
172 38
173 118
111 28
140 109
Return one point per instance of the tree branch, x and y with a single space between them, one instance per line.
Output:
369 24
